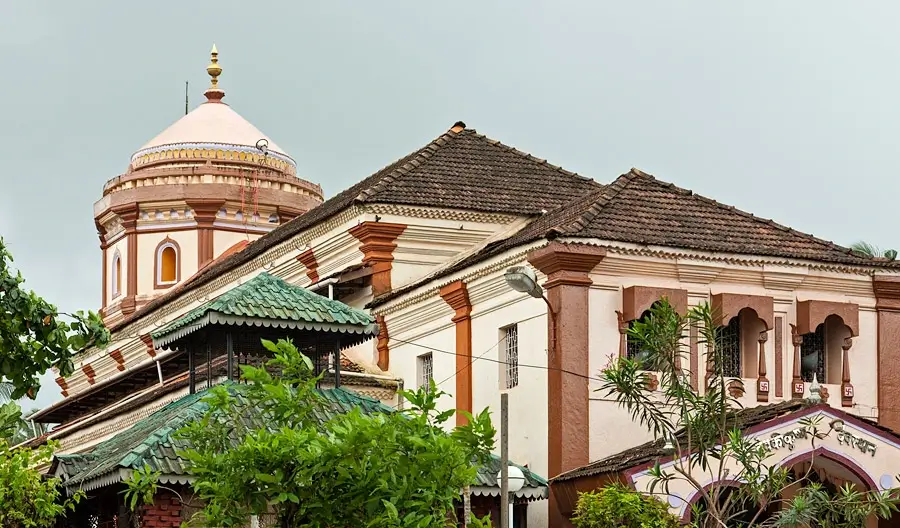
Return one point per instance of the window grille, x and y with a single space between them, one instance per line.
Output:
632 346
511 361
730 348
813 344
426 369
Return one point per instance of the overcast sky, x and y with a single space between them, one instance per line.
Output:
788 110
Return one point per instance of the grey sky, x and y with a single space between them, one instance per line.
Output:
785 109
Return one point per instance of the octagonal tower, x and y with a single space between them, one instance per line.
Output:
207 185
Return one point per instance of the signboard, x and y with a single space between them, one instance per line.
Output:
792 438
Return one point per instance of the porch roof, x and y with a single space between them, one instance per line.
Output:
152 441
747 420
268 301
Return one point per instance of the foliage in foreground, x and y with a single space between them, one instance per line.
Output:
616 506
397 469
33 336
706 441
26 498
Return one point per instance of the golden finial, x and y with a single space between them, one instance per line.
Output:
214 70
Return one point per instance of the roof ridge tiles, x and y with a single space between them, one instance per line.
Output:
526 155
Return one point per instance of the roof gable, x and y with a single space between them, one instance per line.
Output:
466 170
460 169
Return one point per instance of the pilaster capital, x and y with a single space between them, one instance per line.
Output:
457 296
128 213
887 291
205 210
566 263
377 240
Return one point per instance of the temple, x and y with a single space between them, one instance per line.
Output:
405 269
203 187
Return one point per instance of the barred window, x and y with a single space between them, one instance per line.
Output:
812 355
426 369
509 366
730 348
633 346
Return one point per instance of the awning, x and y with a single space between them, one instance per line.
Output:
267 301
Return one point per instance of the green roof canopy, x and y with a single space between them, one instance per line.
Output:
152 441
268 301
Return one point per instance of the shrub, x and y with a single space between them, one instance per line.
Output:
616 506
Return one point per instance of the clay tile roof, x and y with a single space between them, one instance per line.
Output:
655 449
743 419
461 169
466 170
651 212
640 209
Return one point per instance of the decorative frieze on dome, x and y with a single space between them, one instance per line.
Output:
187 152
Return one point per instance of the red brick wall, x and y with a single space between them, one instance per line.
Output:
165 512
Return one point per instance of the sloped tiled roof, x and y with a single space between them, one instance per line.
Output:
640 209
743 419
655 449
151 440
460 169
266 297
651 212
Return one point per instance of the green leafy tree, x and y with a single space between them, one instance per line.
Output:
616 506
704 434
34 336
872 251
27 498
262 445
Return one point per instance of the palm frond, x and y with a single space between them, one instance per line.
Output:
6 390
865 249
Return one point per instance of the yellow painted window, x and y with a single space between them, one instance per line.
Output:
168 262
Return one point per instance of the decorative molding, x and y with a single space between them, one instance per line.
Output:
696 272
383 345
378 244
785 278
213 151
638 299
566 264
61 381
887 292
740 260
441 214
779 357
117 357
89 372
483 269
726 306
456 295
812 313
308 259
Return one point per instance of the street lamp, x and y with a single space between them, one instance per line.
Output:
515 480
523 280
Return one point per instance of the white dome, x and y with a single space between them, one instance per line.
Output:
211 122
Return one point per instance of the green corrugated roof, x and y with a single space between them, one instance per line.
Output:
267 300
150 441
487 475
